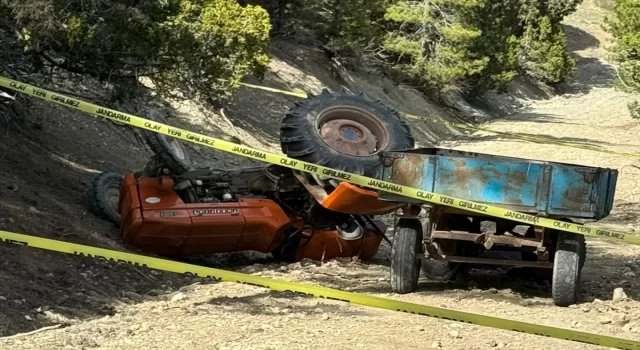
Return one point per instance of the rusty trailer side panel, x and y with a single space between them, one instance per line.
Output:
536 187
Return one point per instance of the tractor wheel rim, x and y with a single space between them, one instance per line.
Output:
112 196
352 131
177 148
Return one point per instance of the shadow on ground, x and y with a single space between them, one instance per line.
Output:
605 270
501 284
256 304
591 73
539 138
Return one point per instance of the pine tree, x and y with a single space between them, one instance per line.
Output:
478 45
544 51
543 47
467 45
346 27
500 26
433 41
182 45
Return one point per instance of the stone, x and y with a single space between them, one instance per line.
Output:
619 295
621 321
178 296
133 296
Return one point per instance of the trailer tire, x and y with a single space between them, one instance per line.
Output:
447 271
171 150
405 265
569 259
104 193
343 131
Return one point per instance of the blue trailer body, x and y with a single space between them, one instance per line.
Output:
535 187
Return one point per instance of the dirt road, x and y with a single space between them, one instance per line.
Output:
109 307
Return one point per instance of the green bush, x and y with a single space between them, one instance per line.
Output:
432 44
544 52
543 46
182 45
467 45
634 109
500 27
478 45
624 26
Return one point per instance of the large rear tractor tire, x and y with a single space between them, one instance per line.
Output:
104 194
343 131
170 150
405 262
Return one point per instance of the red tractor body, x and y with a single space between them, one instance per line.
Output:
156 219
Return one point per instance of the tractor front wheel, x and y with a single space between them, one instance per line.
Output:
104 195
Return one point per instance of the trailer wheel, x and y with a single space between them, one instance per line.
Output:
447 270
343 131
405 265
568 261
171 150
104 196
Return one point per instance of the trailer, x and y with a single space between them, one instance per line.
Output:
441 241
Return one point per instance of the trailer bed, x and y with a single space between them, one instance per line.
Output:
535 187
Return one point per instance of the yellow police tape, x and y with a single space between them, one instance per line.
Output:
466 126
302 289
298 93
273 158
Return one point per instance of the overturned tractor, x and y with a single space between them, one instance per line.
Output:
172 209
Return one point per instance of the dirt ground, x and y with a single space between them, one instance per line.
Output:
49 154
